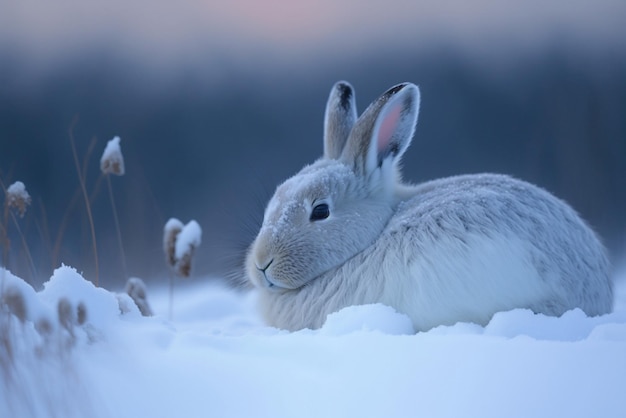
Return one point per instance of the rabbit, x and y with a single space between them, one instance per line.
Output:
346 230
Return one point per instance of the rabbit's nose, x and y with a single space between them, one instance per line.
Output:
263 270
267 265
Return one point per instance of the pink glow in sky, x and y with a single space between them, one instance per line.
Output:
168 30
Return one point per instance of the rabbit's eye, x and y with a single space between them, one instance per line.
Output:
320 212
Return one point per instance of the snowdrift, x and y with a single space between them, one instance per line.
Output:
74 350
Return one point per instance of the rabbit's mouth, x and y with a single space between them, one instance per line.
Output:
274 286
270 276
267 280
270 284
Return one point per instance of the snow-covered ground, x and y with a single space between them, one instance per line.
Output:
216 359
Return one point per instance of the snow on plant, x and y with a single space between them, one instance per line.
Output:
112 161
180 243
186 243
172 228
136 289
18 198
19 300
40 333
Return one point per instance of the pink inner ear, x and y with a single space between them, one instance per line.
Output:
388 126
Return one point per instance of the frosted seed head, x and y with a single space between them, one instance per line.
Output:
112 161
187 241
179 245
18 198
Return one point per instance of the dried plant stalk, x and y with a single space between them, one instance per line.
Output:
17 198
112 162
81 179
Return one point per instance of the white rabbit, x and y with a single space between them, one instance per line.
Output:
346 231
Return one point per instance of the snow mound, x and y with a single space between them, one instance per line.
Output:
367 318
103 307
215 358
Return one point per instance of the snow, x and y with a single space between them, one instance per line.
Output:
216 358
173 226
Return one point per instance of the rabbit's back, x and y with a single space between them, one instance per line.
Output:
477 244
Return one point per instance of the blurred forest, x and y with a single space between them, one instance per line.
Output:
213 149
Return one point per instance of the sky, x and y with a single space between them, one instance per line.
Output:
42 33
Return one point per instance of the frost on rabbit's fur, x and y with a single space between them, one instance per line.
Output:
347 231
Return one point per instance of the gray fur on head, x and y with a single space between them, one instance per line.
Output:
346 231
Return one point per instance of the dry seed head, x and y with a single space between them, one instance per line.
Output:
43 327
14 300
170 232
183 267
136 289
112 161
66 314
18 198
81 313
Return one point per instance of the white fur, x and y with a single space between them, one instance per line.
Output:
455 249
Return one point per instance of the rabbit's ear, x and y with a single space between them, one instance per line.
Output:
339 119
384 130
